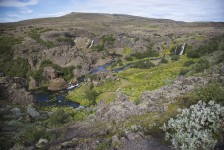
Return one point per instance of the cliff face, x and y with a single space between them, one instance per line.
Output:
15 91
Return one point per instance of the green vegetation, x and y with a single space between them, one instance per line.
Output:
66 40
175 57
189 63
195 128
17 68
6 42
213 91
163 60
184 71
148 53
109 39
67 72
201 65
127 50
143 64
35 34
105 40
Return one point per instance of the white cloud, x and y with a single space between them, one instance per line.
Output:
17 3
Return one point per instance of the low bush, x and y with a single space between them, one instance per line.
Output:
184 71
163 60
143 64
213 91
148 53
201 65
193 54
59 117
175 57
189 63
198 127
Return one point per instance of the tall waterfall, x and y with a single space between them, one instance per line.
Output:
91 44
182 49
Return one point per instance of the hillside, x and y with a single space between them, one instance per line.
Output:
104 81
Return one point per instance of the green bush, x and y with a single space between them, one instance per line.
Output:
109 39
193 54
143 64
148 53
91 95
163 60
189 63
79 66
65 39
58 117
201 65
175 57
198 127
16 68
184 71
129 58
32 134
213 91
35 34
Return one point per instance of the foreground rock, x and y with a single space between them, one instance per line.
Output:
57 84
15 90
118 110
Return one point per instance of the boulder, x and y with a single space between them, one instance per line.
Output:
57 84
32 111
222 70
41 143
82 42
15 91
118 110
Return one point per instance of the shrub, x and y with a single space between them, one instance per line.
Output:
148 53
91 96
189 63
196 128
163 60
184 71
143 64
129 58
193 54
175 57
33 133
213 91
201 65
79 66
17 68
58 117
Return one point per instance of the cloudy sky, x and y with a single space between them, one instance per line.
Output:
180 10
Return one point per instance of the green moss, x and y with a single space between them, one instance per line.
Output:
127 50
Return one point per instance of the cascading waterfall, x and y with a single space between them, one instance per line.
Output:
182 49
91 44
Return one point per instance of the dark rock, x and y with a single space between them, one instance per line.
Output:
32 111
15 90
222 70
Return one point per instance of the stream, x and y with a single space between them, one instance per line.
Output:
45 97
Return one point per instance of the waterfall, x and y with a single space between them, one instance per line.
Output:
182 49
175 52
91 44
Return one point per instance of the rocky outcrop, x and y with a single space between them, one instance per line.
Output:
118 110
15 90
57 84
49 73
82 42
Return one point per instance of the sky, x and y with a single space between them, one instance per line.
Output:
179 10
